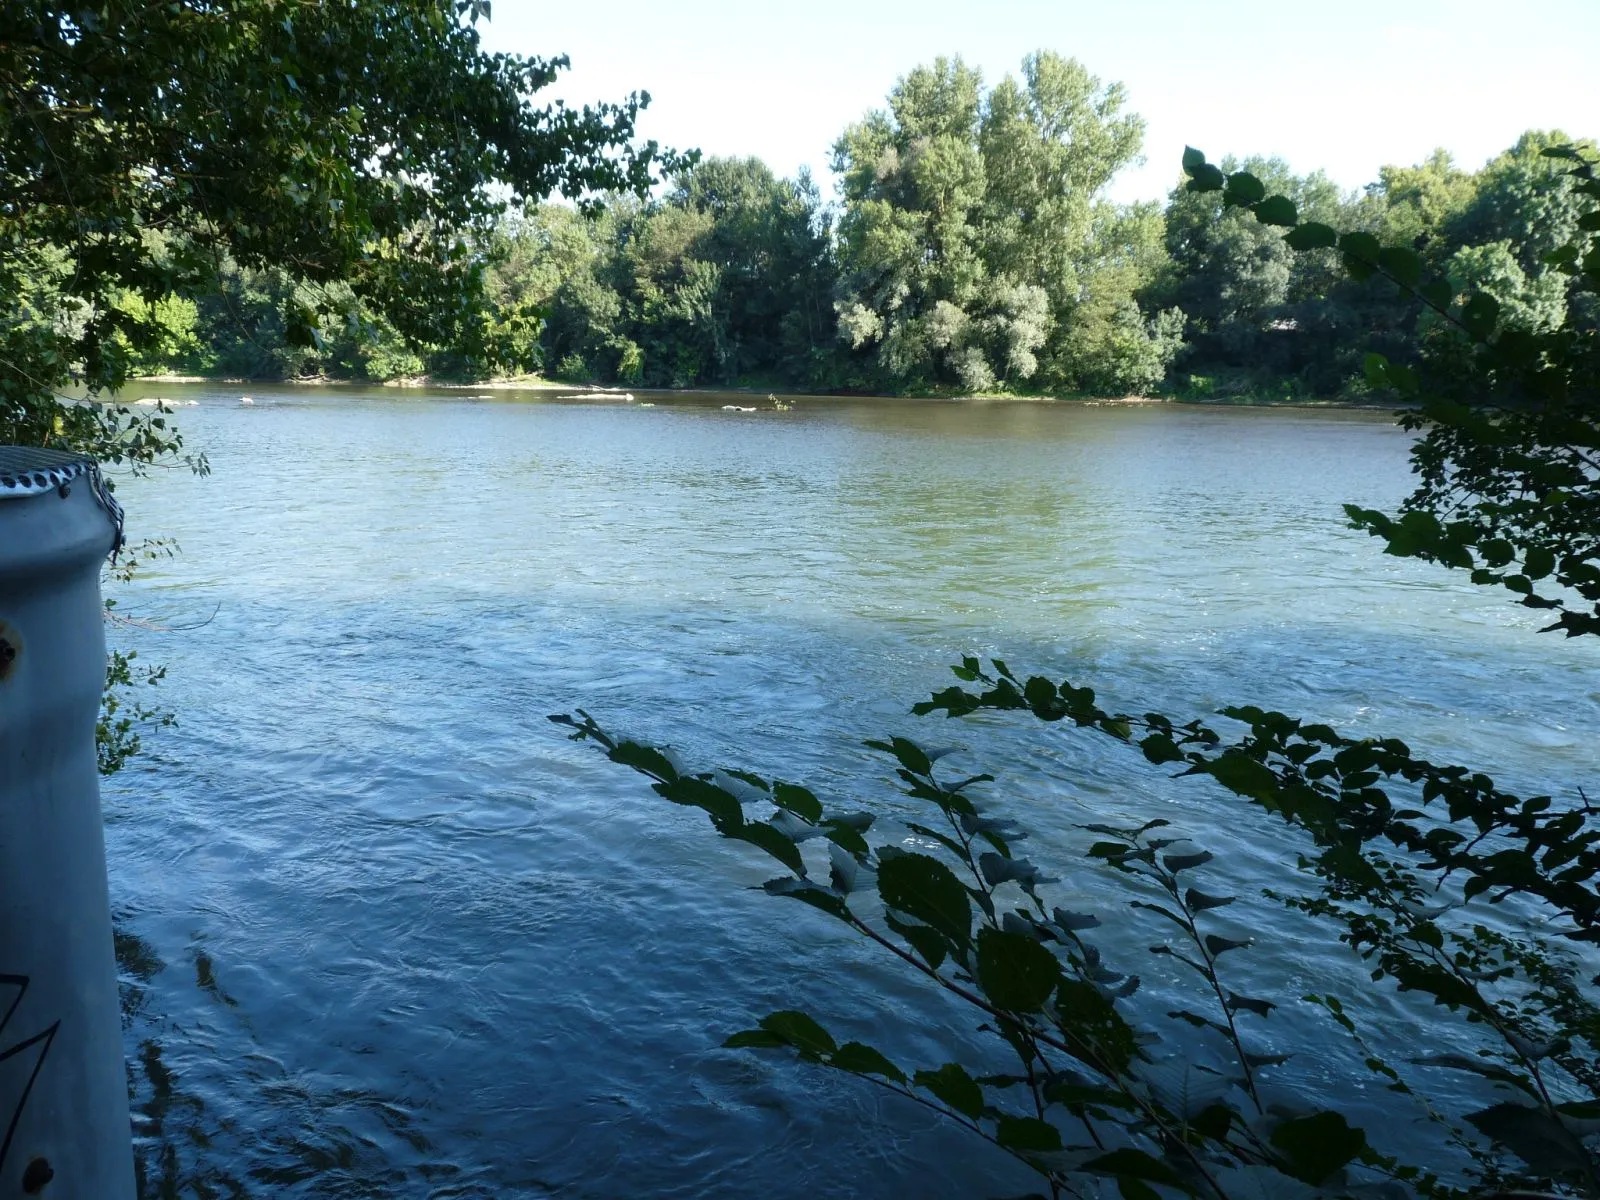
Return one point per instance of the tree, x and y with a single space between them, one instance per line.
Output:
361 144
973 223
727 278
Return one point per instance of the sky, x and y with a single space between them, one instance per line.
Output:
1342 85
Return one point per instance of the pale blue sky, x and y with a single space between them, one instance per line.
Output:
1346 86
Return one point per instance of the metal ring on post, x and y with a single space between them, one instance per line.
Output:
64 1128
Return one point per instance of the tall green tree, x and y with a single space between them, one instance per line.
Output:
973 241
727 279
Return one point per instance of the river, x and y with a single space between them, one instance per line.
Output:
385 932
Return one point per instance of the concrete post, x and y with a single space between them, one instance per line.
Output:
64 1132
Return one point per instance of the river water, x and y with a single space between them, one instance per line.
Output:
385 932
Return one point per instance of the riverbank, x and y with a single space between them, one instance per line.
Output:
539 383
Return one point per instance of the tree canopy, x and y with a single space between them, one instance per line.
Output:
368 146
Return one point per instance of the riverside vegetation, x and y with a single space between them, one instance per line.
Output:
156 160
971 248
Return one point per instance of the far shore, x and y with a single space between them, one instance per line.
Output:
597 390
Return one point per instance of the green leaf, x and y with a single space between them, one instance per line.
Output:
908 752
1205 178
1360 254
773 842
1438 293
1312 235
955 1087
1199 901
1027 1133
645 759
797 800
1480 314
754 1039
926 889
1243 775
864 1060
1220 945
1362 245
1184 862
1249 1004
808 892
697 793
1402 265
1537 562
800 1031
1277 210
1016 972
1243 189
1534 1136
1192 161
1315 1147
1160 748
927 942
1497 552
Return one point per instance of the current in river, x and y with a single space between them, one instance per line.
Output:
385 932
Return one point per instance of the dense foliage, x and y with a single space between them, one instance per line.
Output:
971 247
1475 911
147 151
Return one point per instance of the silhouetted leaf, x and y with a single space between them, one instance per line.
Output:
800 1031
1478 1066
758 1039
926 889
810 893
1534 1136
1220 945
955 1087
797 800
1480 314
1401 265
1160 748
1315 1147
1015 971
1277 210
925 941
645 759
1074 922
1199 901
908 752
1243 189
864 1060
1260 1007
1184 862
774 843
1027 1133
1312 235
